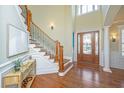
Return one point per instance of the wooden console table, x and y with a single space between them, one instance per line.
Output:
27 70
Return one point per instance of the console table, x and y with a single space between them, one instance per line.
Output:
27 71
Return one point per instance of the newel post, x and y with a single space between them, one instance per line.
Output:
57 52
29 18
61 65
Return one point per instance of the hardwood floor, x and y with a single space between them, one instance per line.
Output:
82 76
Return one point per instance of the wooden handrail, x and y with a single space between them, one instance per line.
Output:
61 64
29 18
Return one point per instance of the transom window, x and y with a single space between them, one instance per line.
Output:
83 9
122 42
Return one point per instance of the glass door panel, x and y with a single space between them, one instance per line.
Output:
87 44
78 43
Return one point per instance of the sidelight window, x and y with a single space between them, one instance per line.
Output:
122 42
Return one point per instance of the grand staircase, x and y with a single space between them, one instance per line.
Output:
45 61
47 52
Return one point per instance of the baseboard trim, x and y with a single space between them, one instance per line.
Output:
107 70
63 73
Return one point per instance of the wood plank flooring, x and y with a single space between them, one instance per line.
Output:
82 76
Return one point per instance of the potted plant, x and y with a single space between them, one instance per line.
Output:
17 65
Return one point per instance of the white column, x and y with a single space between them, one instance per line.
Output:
106 50
101 47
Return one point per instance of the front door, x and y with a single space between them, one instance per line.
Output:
87 50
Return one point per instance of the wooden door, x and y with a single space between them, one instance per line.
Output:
88 45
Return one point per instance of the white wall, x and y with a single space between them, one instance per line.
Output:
116 60
61 17
8 15
91 20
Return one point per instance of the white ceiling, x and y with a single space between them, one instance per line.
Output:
120 15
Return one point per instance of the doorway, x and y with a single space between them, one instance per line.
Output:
88 47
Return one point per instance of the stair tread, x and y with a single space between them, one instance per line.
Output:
66 60
34 43
52 56
32 39
38 47
43 50
47 54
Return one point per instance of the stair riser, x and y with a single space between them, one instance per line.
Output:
51 60
30 37
30 41
32 45
37 49
47 57
43 53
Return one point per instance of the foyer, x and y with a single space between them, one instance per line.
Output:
67 46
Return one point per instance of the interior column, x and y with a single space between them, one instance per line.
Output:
106 50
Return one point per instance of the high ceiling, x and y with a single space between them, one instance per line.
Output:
120 15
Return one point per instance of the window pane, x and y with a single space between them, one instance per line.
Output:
90 8
122 36
122 47
95 7
78 10
84 9
87 47
96 43
122 53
